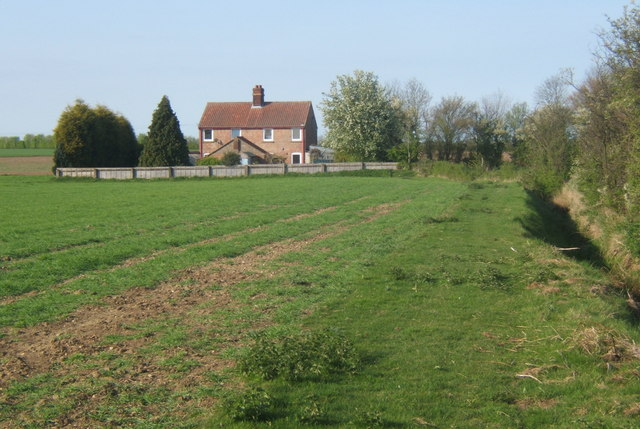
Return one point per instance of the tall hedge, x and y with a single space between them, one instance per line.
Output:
165 144
94 137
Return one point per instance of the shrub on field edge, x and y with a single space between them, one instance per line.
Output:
208 160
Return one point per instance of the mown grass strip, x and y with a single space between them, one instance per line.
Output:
457 330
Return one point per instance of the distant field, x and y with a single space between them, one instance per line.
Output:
4 153
26 161
129 304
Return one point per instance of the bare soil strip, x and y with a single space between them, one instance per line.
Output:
26 165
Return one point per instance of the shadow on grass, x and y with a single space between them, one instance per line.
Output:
553 225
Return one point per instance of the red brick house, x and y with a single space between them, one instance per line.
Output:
271 131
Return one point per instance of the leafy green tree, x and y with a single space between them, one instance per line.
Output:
451 128
74 135
622 55
549 147
412 100
489 137
361 121
193 143
11 143
165 145
94 137
489 130
38 141
604 141
514 122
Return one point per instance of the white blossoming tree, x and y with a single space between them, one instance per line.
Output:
362 122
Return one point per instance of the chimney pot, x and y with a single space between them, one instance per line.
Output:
258 96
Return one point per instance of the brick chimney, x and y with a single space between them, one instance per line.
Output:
258 96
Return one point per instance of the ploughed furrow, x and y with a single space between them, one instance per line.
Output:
46 346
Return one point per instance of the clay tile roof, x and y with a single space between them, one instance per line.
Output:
278 114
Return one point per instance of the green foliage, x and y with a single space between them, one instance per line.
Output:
251 405
360 117
615 92
231 158
165 145
29 141
311 411
94 137
603 141
549 149
304 356
193 143
489 142
450 130
209 160
405 154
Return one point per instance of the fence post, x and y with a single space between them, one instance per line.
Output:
246 170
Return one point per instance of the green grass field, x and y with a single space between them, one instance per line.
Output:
129 304
10 153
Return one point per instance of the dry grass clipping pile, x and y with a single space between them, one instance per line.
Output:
605 343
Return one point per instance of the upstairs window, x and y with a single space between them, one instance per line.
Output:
267 134
296 134
207 135
236 132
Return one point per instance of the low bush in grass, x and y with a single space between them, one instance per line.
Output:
303 356
254 404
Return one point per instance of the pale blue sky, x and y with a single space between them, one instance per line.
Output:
128 54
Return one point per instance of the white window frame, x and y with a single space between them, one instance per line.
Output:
300 155
299 139
264 134
204 135
239 132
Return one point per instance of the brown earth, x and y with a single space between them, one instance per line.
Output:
26 165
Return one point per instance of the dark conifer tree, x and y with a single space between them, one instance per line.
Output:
165 145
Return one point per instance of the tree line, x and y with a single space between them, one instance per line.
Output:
369 121
589 131
29 141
